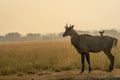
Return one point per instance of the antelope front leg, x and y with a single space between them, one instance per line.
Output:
83 60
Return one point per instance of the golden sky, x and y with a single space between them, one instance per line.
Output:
49 16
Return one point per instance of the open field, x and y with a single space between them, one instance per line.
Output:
51 58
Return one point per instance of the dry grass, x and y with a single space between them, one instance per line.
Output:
31 57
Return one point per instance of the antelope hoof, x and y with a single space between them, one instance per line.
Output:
82 71
90 70
110 70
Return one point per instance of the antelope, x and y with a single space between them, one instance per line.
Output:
85 44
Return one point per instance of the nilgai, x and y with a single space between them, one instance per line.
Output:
85 44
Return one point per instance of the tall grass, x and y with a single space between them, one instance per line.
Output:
47 55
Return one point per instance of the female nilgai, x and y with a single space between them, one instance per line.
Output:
86 43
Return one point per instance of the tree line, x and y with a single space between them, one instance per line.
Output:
15 36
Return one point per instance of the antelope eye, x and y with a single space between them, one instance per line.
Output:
68 29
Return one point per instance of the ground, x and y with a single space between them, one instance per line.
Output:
66 75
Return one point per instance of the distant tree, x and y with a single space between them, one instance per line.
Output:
33 36
112 32
60 35
83 32
53 36
13 36
2 38
45 37
108 32
50 36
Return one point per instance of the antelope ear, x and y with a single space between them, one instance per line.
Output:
72 26
67 24
66 27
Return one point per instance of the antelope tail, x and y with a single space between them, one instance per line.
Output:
115 42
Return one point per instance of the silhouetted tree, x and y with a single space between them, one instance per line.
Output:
13 36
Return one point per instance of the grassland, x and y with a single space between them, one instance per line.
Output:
40 56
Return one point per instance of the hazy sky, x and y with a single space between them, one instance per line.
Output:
44 16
